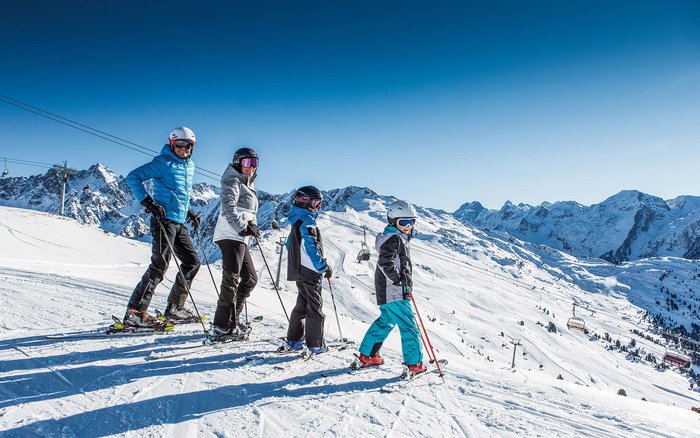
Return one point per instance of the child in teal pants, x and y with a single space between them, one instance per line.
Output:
393 284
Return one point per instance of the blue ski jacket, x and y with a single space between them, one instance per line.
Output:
172 183
304 245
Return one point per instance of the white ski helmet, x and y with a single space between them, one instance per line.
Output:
182 133
400 209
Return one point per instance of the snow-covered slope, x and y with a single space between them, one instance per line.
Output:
475 291
627 226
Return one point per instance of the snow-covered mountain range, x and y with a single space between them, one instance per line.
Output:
98 196
479 292
630 225
651 226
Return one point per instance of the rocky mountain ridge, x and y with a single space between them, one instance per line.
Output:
630 225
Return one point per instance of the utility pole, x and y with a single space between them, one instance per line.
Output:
279 263
66 171
516 343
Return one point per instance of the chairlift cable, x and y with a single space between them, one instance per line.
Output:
95 132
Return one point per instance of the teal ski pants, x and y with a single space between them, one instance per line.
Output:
393 314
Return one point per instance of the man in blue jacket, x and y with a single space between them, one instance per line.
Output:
172 173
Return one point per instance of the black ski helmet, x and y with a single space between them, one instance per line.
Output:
304 196
241 154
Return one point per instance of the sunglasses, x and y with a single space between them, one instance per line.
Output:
249 162
181 144
406 222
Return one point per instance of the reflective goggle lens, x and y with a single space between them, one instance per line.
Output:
249 162
313 203
183 144
406 222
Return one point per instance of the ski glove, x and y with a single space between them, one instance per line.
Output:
328 273
250 230
154 208
405 280
194 219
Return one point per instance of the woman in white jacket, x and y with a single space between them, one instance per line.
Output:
237 222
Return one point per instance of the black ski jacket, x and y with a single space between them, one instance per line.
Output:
393 266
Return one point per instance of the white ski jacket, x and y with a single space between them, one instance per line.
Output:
239 205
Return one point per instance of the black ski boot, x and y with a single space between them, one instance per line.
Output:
177 313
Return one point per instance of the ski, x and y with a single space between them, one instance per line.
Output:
114 330
195 349
407 380
207 345
106 334
306 354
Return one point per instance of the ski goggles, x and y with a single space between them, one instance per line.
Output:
182 144
405 222
249 162
310 202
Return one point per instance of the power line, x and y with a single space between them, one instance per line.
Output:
26 162
96 132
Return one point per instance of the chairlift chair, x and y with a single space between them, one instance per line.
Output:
576 323
364 254
5 172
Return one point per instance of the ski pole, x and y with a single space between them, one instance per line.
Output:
330 288
257 242
422 337
184 281
206 260
437 363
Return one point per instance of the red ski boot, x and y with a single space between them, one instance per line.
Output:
366 361
412 370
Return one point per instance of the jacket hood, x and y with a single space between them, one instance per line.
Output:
390 229
301 213
245 179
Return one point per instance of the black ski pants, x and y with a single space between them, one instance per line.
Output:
238 281
308 311
179 238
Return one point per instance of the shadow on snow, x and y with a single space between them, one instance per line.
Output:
177 408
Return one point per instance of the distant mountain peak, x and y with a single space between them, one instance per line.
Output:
628 225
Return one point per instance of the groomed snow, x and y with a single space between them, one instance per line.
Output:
57 276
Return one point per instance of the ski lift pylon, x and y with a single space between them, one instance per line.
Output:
364 254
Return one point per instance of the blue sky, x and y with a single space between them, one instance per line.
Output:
438 103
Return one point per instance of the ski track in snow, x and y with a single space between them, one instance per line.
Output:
112 386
